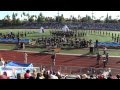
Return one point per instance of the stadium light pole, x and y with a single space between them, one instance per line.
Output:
92 15
58 16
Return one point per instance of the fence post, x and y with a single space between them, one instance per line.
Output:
60 68
41 68
91 70
51 68
70 70
80 70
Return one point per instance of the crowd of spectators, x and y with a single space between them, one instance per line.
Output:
74 25
48 74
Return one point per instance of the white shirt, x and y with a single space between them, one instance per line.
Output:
105 49
92 45
53 76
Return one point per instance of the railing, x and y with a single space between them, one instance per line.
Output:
79 70
63 69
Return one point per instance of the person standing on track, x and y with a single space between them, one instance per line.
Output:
104 61
98 59
107 57
26 55
104 50
53 57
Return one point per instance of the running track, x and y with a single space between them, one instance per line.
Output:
65 60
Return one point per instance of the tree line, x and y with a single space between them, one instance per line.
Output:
13 20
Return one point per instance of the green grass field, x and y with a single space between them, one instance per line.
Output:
35 34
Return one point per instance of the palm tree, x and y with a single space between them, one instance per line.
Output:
28 16
7 17
24 14
16 14
7 20
40 15
117 17
71 17
79 17
21 15
101 17
94 17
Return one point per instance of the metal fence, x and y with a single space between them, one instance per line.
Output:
79 70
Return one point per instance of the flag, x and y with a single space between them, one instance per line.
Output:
41 30
65 28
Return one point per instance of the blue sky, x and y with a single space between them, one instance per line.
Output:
66 14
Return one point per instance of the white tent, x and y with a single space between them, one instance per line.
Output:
65 28
41 30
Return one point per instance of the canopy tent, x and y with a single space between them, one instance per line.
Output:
12 68
65 28
16 64
109 44
15 40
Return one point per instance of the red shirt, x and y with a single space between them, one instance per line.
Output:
27 75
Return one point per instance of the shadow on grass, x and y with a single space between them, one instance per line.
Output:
86 55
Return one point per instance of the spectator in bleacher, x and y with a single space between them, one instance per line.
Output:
19 76
84 76
118 76
78 77
31 77
4 76
27 74
52 76
34 74
58 74
5 73
40 76
45 74
100 77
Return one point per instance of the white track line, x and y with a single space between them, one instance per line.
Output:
57 53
